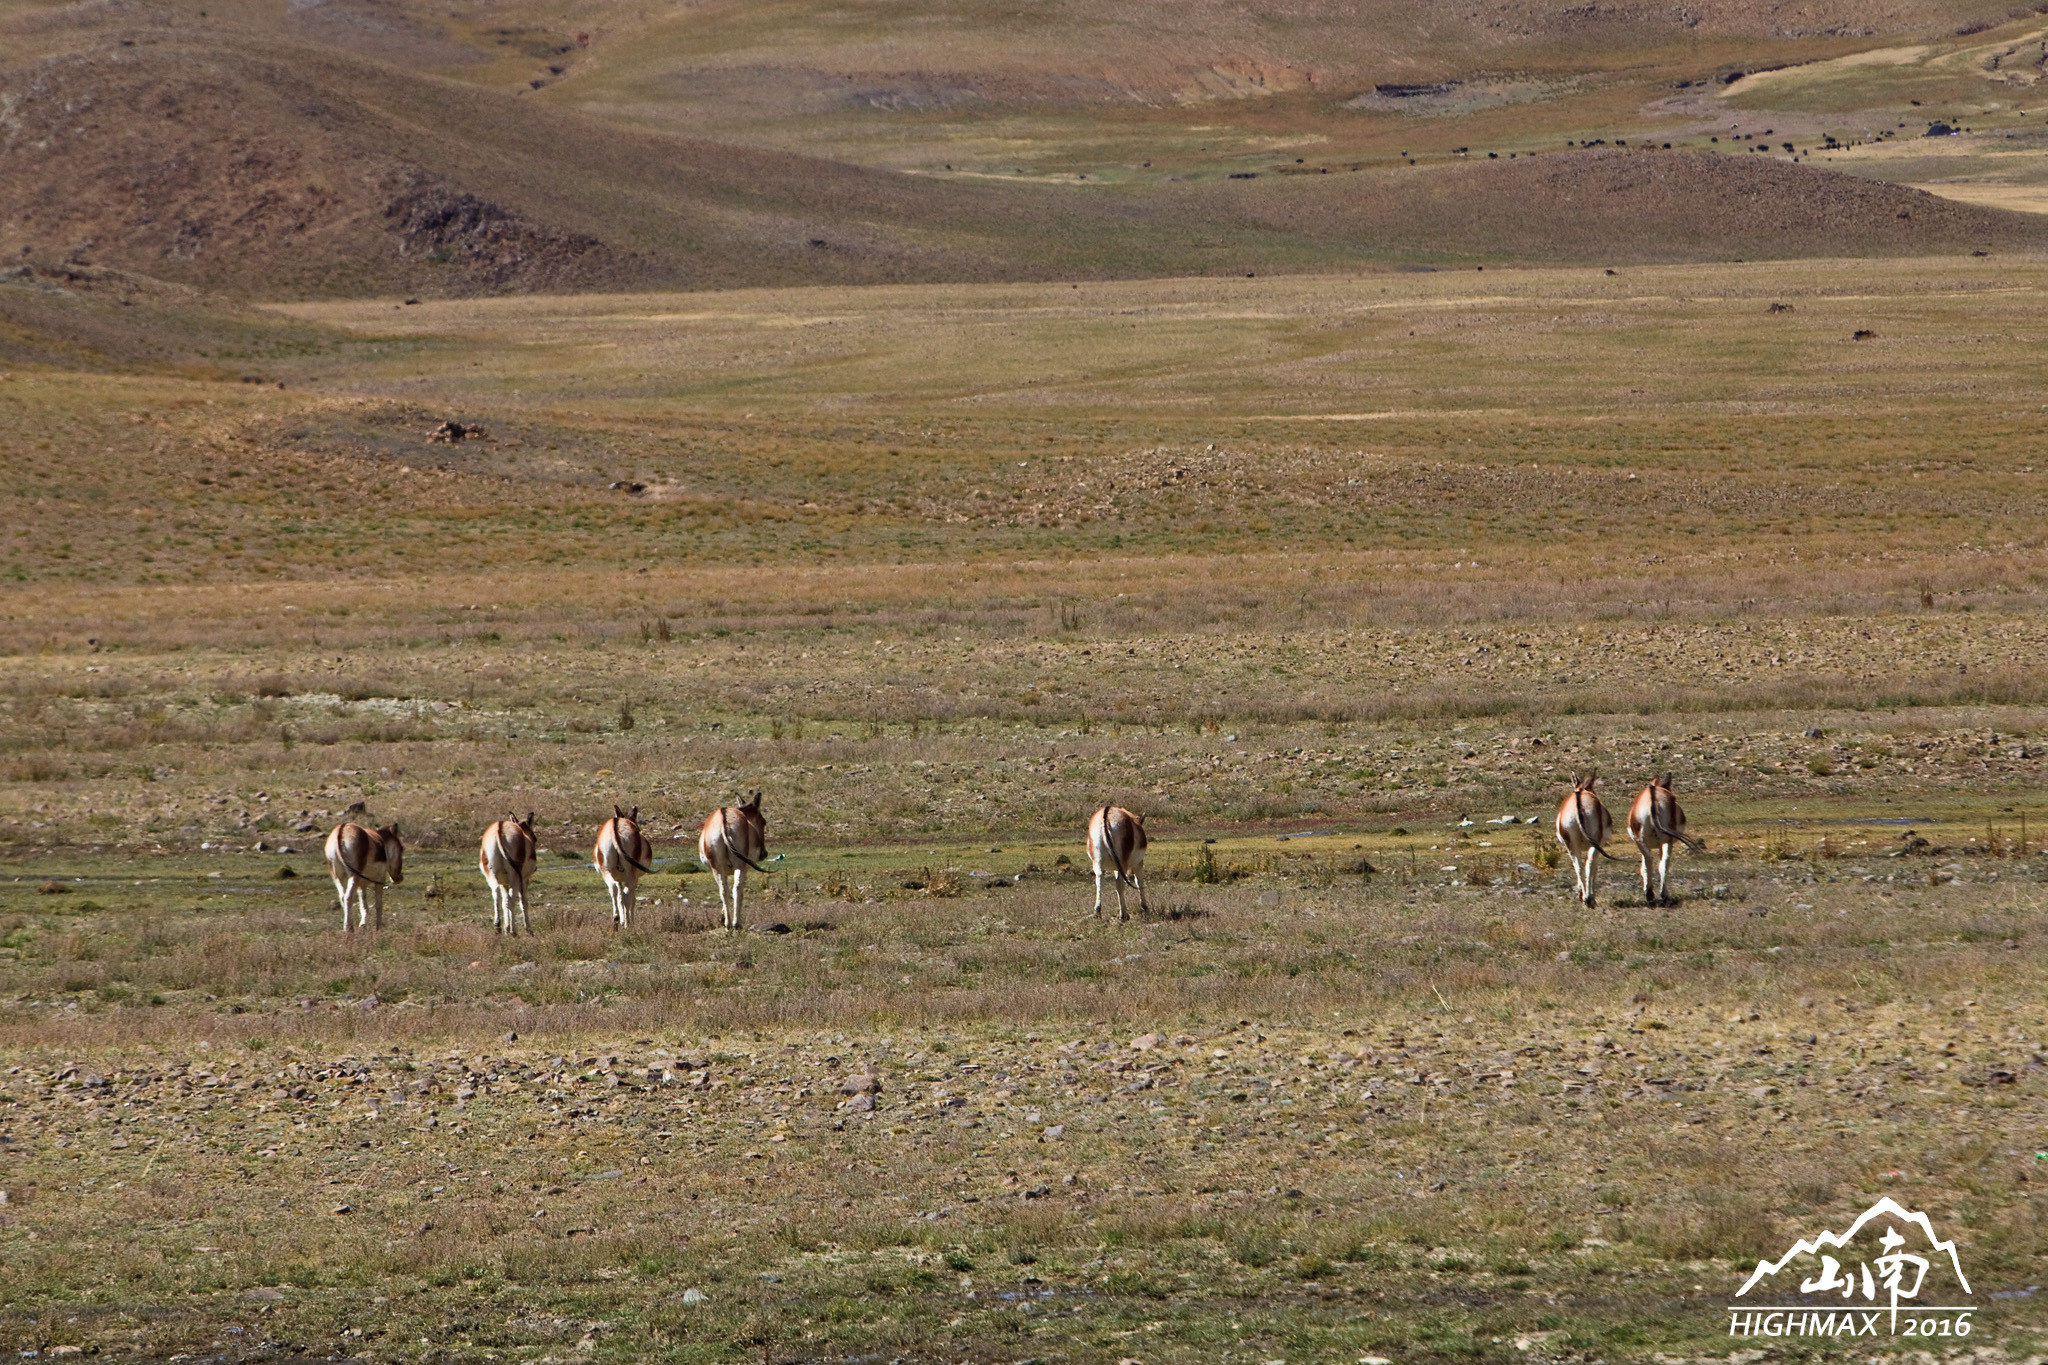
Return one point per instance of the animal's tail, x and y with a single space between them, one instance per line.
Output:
1683 838
1109 839
725 828
1585 826
505 852
1658 823
619 847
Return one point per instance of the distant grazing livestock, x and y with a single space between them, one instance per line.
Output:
363 861
620 855
733 839
1655 821
1582 827
1116 840
506 858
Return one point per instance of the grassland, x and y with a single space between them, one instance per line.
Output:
1312 570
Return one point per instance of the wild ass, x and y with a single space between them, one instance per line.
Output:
1116 839
733 839
1582 827
363 861
1655 820
506 857
620 855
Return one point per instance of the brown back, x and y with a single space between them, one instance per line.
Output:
742 828
514 841
1586 811
1657 809
1123 832
623 833
361 850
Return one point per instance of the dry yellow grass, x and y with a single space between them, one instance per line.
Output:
939 570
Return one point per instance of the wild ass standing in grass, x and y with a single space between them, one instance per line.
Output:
506 858
620 855
1582 827
1116 838
1655 819
733 839
362 861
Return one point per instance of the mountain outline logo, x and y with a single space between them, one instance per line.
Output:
1885 1287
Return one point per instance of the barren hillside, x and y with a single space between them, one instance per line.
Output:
334 151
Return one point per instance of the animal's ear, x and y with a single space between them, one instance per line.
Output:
390 830
617 814
635 816
529 819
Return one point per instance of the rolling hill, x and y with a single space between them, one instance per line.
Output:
348 148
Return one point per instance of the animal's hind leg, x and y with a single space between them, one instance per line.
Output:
1664 876
342 889
1098 891
1123 912
1140 884
380 907
739 896
1592 894
524 913
1647 898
